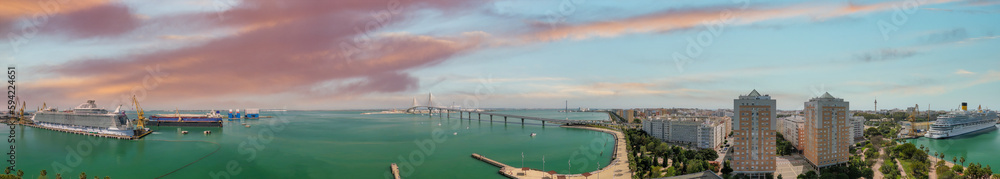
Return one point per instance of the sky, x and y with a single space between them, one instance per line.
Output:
365 54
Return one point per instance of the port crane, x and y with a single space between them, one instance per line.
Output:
140 122
913 121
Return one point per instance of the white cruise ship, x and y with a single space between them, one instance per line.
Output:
86 118
961 122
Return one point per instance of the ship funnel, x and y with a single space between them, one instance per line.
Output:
965 106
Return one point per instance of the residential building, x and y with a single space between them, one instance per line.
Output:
858 129
827 131
792 130
701 132
754 129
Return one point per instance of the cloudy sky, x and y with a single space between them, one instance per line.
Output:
353 54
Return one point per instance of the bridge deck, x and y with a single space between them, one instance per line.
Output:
518 116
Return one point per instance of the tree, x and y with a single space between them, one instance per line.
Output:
779 176
808 175
83 175
670 172
58 176
944 172
726 168
962 160
958 169
954 159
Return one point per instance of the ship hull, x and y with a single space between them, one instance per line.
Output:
961 131
185 121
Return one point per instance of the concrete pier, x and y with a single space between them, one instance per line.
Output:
135 137
395 170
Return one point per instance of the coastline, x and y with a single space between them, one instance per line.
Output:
618 168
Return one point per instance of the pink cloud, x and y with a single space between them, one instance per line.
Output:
296 50
103 20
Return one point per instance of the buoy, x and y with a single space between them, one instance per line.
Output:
184 132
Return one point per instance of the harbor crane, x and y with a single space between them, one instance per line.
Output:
140 122
913 121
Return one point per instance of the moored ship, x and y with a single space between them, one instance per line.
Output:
87 118
211 119
962 122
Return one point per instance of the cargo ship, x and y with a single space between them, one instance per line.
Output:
88 119
961 122
210 119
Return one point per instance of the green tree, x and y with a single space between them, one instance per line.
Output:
954 159
943 172
726 168
779 177
670 172
20 173
962 160
958 169
83 175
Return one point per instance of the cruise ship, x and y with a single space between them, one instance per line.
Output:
86 118
961 122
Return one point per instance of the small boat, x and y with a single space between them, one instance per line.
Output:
248 126
184 132
533 134
456 133
208 132
439 124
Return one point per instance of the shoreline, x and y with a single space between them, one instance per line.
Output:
617 168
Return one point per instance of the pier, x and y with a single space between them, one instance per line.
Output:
395 170
618 168
135 137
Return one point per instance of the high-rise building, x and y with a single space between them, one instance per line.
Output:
827 131
754 127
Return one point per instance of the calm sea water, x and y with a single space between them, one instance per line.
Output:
323 144
981 147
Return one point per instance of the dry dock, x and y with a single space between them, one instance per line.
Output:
617 169
93 134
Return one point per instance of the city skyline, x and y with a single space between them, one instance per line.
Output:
503 54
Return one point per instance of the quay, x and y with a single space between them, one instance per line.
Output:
617 169
135 137
395 170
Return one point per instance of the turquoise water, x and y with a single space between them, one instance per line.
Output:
323 144
979 148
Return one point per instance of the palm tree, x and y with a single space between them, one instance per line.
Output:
962 160
921 146
20 173
58 176
954 159
83 175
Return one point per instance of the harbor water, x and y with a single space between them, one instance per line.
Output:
979 147
323 144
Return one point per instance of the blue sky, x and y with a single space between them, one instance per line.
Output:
533 54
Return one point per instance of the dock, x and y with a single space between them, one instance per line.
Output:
135 137
395 170
618 168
